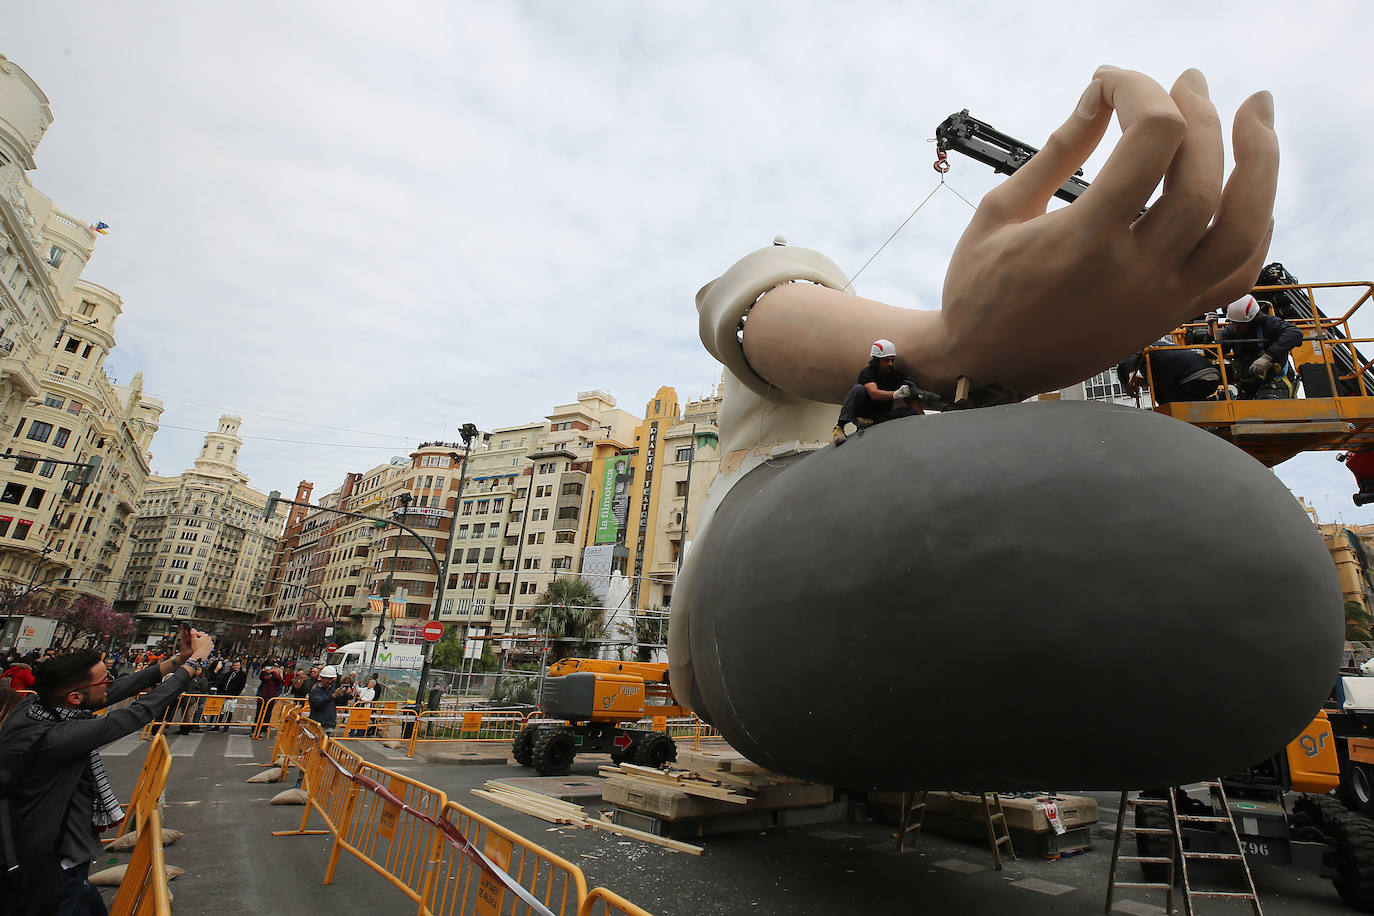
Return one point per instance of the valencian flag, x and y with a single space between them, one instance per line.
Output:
101 227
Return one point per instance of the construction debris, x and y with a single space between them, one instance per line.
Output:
560 812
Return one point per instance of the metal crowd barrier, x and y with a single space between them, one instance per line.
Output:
152 779
373 721
467 725
601 902
445 858
209 710
143 892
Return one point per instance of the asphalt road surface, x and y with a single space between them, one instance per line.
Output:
234 866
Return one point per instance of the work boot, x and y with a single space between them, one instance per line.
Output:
838 436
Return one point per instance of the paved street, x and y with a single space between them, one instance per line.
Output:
234 866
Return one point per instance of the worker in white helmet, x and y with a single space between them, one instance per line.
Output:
881 393
1258 345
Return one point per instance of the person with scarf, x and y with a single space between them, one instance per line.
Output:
50 768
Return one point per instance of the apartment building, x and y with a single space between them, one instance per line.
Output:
56 402
202 551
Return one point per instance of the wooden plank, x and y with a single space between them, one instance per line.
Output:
646 837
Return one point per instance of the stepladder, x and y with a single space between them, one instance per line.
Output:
1187 841
998 835
912 815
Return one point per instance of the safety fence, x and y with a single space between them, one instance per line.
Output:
495 725
152 779
143 890
447 859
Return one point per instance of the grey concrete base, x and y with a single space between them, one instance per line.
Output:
906 610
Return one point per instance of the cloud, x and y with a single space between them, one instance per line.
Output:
401 222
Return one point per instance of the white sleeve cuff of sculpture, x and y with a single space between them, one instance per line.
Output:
724 301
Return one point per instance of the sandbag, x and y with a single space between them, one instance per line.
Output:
127 841
271 774
114 875
291 797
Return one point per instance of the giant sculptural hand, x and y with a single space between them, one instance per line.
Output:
1035 300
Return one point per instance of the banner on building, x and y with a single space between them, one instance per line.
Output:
597 562
612 508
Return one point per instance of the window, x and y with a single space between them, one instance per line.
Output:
55 256
479 531
72 345
564 537
53 401
561 563
21 530
5 524
568 512
87 309
74 407
39 431
13 493
498 504
24 465
483 506
540 515
462 533
489 555
473 554
545 490
63 434
86 352
36 498
467 507
572 489
535 538
681 488
684 453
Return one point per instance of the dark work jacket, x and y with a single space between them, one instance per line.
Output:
230 684
52 796
1167 368
322 703
1266 334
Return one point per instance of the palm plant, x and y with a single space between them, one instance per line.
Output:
569 608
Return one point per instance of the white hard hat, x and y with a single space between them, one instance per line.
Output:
882 349
328 671
1243 309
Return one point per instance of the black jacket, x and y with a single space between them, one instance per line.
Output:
230 683
1266 334
52 797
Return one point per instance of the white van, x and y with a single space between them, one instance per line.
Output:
356 657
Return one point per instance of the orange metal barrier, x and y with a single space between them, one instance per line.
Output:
143 892
467 725
486 868
152 779
445 858
601 902
209 710
372 722
274 712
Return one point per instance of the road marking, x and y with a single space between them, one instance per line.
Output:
185 745
960 865
239 746
1043 887
122 747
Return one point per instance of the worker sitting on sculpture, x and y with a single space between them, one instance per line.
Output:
880 393
1258 345
1012 530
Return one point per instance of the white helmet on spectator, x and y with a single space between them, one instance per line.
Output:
328 671
882 349
1243 309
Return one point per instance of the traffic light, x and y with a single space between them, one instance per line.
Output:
272 499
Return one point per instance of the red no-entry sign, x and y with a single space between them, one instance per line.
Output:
433 631
332 647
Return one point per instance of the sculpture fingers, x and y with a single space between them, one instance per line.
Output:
1152 128
1247 202
1192 186
1027 192
1240 282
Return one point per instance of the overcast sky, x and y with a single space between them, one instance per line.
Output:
390 221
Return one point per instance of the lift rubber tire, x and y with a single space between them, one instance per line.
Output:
1353 858
1153 845
522 748
1316 812
655 749
553 751
1357 787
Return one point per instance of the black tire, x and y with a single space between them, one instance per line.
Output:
1352 837
654 750
1357 787
1316 813
1154 816
522 748
553 751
